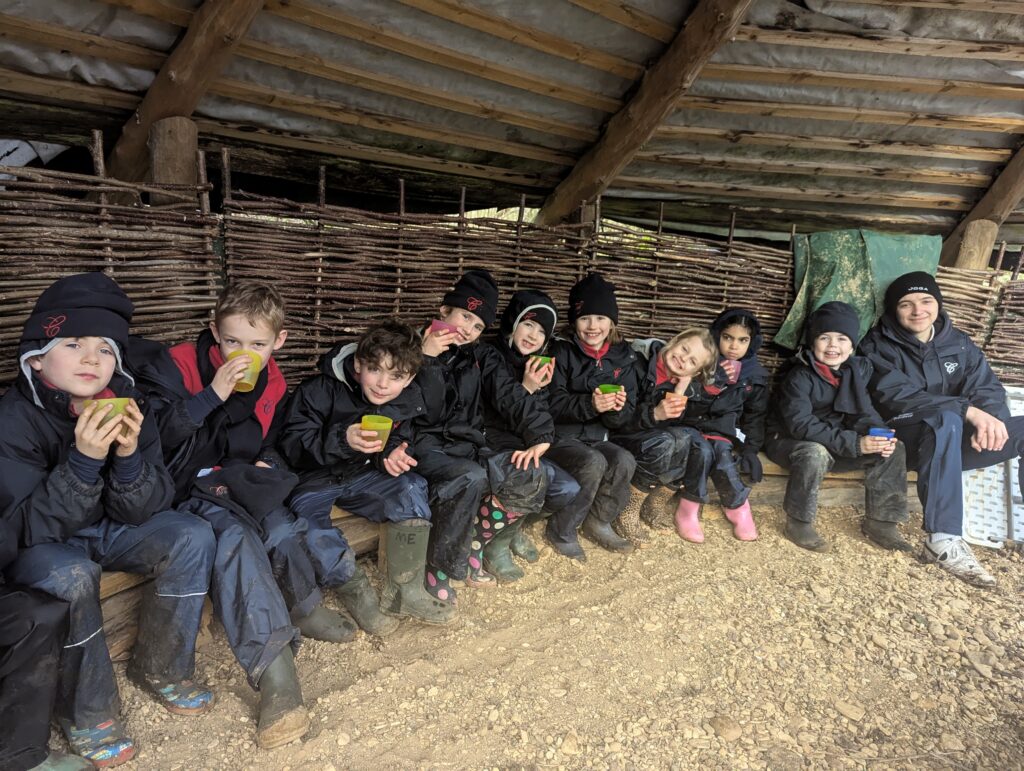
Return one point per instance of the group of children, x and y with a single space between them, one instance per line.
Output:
211 484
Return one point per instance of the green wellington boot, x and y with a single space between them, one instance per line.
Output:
326 625
360 600
498 558
283 716
522 545
404 558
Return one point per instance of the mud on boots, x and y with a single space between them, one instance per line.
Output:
405 555
325 625
361 601
283 717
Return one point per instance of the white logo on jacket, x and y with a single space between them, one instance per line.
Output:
951 367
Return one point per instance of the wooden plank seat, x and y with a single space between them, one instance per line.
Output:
774 469
121 593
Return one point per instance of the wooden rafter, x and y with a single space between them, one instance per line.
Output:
183 79
630 17
998 203
985 6
709 25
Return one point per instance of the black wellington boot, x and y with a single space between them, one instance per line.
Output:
283 717
326 625
804 535
602 534
885 534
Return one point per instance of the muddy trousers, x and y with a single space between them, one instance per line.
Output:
371 494
603 471
173 548
713 458
457 487
258 577
939 449
661 455
885 479
564 516
32 630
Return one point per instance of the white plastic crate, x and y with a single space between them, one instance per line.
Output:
993 505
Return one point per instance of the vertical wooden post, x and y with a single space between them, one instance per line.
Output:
173 143
976 246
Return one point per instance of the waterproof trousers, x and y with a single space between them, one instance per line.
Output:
32 630
939 449
885 479
176 550
603 471
661 455
713 458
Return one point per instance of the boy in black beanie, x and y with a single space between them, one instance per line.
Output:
824 420
948 408
88 490
467 481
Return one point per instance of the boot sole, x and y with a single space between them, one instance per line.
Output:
190 712
292 725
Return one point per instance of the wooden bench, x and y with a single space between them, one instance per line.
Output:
121 593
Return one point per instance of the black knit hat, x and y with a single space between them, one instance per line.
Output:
911 283
475 292
83 305
529 305
593 296
834 317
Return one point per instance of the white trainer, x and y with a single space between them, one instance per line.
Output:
956 557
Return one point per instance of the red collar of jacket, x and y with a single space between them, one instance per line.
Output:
830 375
595 353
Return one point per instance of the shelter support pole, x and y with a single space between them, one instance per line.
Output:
173 144
976 245
706 29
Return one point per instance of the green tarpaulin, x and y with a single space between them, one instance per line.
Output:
854 266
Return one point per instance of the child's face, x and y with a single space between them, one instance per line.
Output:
734 342
380 380
593 330
686 358
79 366
237 333
469 324
528 337
832 349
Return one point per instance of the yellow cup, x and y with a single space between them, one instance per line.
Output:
252 372
610 388
380 424
120 404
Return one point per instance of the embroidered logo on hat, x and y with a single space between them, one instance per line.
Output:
924 289
579 305
53 324
529 315
473 303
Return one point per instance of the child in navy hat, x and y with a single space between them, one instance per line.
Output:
87 491
473 490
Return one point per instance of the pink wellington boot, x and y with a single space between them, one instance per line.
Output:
742 519
688 521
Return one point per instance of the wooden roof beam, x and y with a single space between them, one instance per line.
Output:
998 203
185 76
710 25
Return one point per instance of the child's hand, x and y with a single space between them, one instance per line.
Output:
874 445
730 369
537 375
399 461
671 407
679 389
608 402
436 343
92 439
131 426
363 441
890 447
521 459
227 376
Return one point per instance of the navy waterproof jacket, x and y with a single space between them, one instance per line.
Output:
913 380
313 438
41 497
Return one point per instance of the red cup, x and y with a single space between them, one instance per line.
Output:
442 326
736 367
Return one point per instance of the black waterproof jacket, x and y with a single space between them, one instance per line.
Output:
805 410
39 494
514 419
8 543
649 392
571 391
313 433
914 380
453 422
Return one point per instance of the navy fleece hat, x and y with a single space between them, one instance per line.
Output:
529 305
476 292
83 305
834 317
593 296
911 283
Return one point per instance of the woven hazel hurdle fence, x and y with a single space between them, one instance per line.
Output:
341 269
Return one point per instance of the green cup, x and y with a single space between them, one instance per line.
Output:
379 424
610 388
120 404
544 360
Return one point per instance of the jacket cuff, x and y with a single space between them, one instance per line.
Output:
202 404
85 469
127 470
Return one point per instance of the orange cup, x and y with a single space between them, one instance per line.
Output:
252 372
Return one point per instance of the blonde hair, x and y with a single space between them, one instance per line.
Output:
707 372
254 300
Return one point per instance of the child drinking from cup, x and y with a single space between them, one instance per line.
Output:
89 494
517 418
591 355
823 420
668 374
347 432
728 415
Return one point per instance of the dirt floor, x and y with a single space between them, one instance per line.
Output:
727 655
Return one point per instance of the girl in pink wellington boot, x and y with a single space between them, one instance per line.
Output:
688 521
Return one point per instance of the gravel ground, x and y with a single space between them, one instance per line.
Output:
726 655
